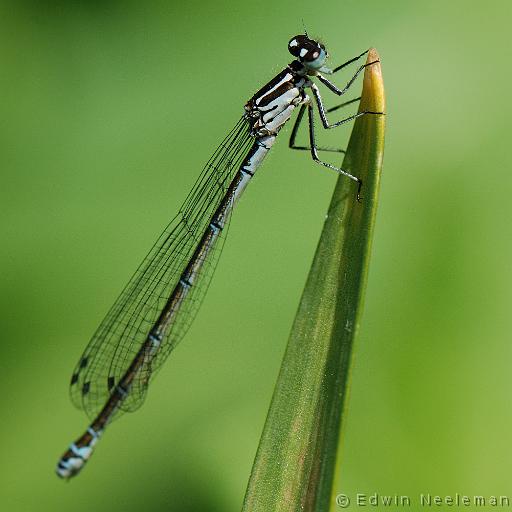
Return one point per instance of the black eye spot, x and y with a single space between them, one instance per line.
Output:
297 43
85 388
83 362
74 378
110 383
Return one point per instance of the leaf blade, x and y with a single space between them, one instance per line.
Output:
295 462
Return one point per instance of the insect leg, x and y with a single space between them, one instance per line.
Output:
314 152
323 115
298 121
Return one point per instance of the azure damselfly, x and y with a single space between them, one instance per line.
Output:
158 304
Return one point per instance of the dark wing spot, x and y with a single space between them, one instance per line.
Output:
83 362
74 378
110 383
85 388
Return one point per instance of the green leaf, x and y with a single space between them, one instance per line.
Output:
295 463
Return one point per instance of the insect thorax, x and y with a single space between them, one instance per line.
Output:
269 109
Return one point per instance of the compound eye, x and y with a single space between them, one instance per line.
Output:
312 55
296 45
315 58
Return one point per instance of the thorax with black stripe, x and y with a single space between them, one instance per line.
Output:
270 108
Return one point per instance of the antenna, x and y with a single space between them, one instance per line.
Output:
305 30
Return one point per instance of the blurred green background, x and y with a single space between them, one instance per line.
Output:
109 110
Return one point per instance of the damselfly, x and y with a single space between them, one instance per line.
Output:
155 309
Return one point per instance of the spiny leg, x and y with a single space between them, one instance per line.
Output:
345 64
341 105
298 121
314 152
335 89
295 129
323 115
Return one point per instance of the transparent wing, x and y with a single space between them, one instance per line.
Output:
126 326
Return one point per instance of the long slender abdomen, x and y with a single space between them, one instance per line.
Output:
79 452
